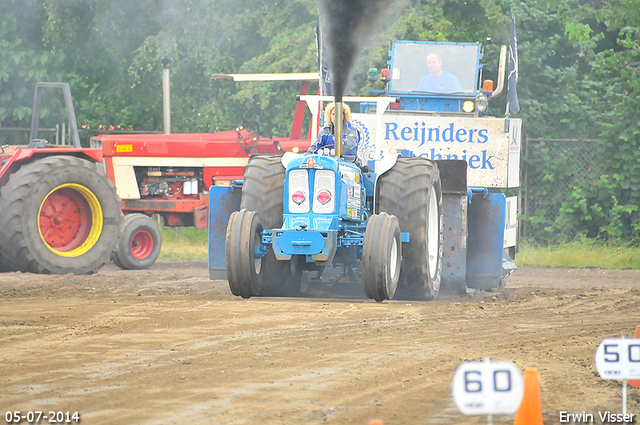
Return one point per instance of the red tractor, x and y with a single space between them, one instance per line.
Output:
59 213
61 207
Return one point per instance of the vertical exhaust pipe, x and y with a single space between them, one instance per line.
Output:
337 137
502 66
166 95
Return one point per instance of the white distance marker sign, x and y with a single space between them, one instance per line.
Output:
487 388
618 358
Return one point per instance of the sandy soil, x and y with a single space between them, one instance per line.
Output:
169 346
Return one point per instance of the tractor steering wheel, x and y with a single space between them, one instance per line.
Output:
329 150
248 145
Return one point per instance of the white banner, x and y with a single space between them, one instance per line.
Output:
491 146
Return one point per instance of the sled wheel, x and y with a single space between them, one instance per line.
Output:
140 243
263 192
381 257
412 192
243 239
60 215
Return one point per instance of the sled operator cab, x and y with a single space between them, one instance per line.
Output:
437 77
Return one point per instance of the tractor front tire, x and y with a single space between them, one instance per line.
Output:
245 271
59 215
140 243
381 257
411 191
263 192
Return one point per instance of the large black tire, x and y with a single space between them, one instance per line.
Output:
381 257
263 192
140 243
59 215
411 191
5 265
245 271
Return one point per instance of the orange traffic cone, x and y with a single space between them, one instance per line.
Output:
635 382
376 422
530 410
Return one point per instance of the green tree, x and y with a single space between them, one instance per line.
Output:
23 59
583 83
610 206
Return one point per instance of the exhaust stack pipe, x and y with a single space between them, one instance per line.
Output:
337 137
502 66
166 95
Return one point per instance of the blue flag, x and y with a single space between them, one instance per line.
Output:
512 93
323 63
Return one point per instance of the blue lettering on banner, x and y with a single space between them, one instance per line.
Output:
486 162
406 133
421 133
475 161
447 134
391 128
483 136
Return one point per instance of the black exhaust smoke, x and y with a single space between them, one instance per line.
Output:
346 24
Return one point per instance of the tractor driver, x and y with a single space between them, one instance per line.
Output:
437 80
325 144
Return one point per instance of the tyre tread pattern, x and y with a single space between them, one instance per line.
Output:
123 257
381 229
15 201
263 192
239 254
404 192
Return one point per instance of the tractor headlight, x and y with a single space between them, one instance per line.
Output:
324 184
468 106
298 190
482 103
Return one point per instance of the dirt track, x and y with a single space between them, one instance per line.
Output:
169 346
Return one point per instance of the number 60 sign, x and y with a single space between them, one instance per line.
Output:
487 388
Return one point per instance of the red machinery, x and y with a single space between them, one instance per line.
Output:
170 175
60 213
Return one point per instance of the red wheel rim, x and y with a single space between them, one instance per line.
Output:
65 220
141 244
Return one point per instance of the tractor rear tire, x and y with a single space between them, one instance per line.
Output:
59 215
411 191
5 265
245 271
381 257
140 243
263 192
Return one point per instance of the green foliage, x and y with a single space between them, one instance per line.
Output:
184 242
585 85
611 203
579 76
587 253
23 59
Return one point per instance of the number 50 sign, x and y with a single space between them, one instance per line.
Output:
487 388
618 358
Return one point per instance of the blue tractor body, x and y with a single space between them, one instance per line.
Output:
317 229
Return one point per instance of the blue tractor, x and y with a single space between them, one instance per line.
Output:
431 213
313 211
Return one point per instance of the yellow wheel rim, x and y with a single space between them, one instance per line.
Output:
70 220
